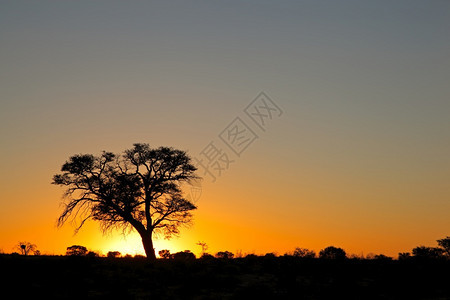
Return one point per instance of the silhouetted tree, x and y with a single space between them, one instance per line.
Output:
165 254
304 253
113 254
140 189
445 245
427 252
224 255
26 248
76 250
204 247
332 252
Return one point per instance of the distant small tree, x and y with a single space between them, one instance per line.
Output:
165 254
304 253
445 245
239 254
427 252
25 248
332 252
204 247
224 255
76 250
113 254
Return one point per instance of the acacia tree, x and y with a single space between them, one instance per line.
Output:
139 189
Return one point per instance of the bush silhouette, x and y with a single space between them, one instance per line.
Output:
113 254
382 257
427 252
332 252
165 254
445 245
185 255
207 256
224 255
76 250
304 253
92 254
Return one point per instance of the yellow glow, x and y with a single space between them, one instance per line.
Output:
132 244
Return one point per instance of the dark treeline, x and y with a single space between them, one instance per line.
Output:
249 277
441 252
424 273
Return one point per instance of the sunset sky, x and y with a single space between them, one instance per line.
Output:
357 157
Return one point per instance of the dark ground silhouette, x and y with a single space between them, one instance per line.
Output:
253 277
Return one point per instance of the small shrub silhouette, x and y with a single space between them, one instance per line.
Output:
304 253
185 255
224 255
113 254
165 254
332 252
76 250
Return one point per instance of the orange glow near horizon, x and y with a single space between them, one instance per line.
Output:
359 158
229 217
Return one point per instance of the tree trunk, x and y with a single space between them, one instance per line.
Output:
147 242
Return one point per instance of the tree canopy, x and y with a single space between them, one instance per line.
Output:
139 189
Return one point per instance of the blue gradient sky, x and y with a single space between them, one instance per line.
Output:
359 159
